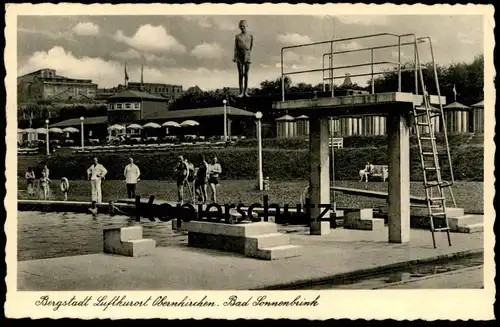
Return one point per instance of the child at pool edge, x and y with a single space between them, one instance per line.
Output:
44 185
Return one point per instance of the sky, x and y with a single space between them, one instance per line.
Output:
198 50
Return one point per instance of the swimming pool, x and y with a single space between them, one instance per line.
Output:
57 234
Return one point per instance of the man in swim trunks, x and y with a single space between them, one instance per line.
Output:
181 174
243 45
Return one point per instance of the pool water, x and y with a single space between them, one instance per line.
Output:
48 235
400 275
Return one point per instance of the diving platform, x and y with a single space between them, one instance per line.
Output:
377 104
398 108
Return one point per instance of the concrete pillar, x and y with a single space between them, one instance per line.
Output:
319 178
360 126
399 179
354 123
383 125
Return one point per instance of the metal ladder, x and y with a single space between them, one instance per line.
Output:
429 156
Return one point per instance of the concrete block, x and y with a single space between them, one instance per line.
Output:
374 224
472 228
461 221
353 218
237 230
217 242
127 241
138 248
254 243
337 214
319 227
422 211
280 252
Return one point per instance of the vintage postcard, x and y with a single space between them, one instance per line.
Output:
250 161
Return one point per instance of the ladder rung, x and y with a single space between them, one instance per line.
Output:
432 168
427 138
437 199
428 153
437 115
423 124
442 229
436 184
442 213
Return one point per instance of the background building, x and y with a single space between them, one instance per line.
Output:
45 84
169 91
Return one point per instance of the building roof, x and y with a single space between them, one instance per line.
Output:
285 118
133 94
478 105
456 105
167 115
77 122
199 112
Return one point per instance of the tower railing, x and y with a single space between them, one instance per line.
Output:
331 68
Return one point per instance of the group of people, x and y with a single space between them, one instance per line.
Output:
44 183
197 178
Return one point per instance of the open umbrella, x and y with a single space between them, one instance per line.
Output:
187 123
55 130
170 124
70 130
152 125
134 126
116 127
29 130
19 130
41 130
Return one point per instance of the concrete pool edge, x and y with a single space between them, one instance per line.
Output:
368 271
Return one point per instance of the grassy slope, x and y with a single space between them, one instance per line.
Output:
468 195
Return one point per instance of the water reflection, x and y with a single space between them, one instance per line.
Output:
49 235
405 274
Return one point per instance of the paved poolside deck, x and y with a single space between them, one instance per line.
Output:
178 267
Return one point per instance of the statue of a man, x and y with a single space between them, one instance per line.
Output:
243 44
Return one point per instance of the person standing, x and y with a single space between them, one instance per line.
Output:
96 174
45 186
243 45
181 175
202 180
30 181
132 174
46 170
213 179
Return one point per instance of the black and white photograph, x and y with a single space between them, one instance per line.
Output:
163 150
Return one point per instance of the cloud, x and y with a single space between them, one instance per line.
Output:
129 54
66 64
293 38
51 35
151 38
464 38
88 29
109 73
221 23
207 51
154 59
367 20
345 46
